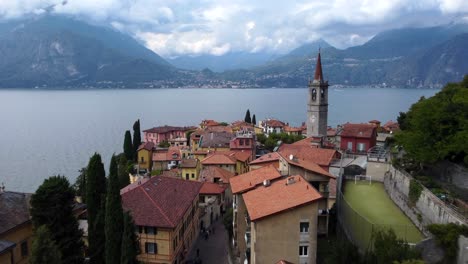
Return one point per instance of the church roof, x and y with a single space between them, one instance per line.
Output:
318 76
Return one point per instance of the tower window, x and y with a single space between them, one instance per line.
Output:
314 94
322 93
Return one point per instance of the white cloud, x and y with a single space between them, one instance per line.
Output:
172 27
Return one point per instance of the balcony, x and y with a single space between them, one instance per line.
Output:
247 220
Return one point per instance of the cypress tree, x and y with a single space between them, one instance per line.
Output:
44 249
130 246
123 171
114 215
128 146
95 195
254 120
136 138
247 117
52 206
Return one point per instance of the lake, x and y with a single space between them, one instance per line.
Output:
44 133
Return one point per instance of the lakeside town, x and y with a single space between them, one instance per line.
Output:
244 192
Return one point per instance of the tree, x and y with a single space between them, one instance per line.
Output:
95 194
388 248
254 120
52 206
446 236
136 137
130 246
227 221
80 185
114 215
123 171
436 128
44 249
128 146
247 117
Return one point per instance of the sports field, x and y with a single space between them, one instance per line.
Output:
374 205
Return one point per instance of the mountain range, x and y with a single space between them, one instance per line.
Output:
58 52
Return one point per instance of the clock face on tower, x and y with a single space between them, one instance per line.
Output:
312 118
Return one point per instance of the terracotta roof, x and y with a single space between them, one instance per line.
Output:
281 195
318 76
14 210
292 129
374 121
211 172
166 129
253 178
133 185
168 154
391 126
358 130
161 201
283 262
273 123
215 139
308 165
241 123
208 122
219 158
146 145
303 150
188 163
225 129
331 132
212 188
241 155
267 158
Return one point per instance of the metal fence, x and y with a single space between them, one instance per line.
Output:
359 229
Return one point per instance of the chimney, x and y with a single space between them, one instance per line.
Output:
290 180
291 157
266 183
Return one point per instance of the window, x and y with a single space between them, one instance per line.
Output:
350 146
361 147
151 248
142 160
247 142
304 227
314 94
241 142
24 248
150 230
186 176
303 251
193 175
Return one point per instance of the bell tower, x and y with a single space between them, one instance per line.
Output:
317 106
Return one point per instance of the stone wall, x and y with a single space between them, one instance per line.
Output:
428 209
377 170
462 257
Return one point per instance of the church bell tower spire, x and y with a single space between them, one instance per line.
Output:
317 106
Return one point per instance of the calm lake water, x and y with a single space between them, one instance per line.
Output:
44 133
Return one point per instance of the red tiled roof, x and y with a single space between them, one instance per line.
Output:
274 123
267 158
281 195
318 76
358 130
308 165
188 163
305 151
251 179
146 145
209 122
219 158
391 126
283 262
211 172
292 129
161 201
168 155
212 188
241 155
226 129
331 132
165 129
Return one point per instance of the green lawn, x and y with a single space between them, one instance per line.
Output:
372 203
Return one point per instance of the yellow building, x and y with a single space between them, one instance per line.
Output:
145 154
190 169
15 228
166 212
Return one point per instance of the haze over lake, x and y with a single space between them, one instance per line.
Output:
43 133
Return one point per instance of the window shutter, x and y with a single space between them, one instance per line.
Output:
146 247
155 248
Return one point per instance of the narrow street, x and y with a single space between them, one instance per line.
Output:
213 250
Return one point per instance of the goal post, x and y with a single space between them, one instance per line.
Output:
362 178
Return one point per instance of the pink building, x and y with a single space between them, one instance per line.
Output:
173 135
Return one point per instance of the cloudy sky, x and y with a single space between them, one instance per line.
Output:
174 27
